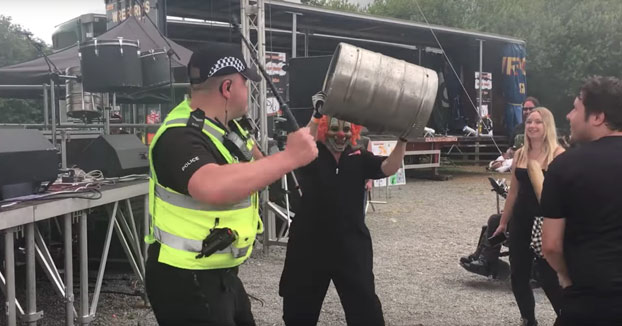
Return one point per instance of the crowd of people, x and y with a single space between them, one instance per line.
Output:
569 222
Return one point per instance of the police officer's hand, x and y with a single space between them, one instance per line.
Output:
318 101
301 147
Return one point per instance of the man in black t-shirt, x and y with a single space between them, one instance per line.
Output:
582 206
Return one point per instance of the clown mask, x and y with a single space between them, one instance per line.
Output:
338 134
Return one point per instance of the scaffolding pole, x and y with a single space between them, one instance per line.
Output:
253 23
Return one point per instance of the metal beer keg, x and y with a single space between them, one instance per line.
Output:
81 104
381 93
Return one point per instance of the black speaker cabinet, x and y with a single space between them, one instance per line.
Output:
306 77
115 156
26 159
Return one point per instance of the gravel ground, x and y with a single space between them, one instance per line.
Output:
418 238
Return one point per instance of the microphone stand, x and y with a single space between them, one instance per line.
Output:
284 107
253 54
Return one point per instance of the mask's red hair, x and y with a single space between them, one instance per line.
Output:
322 128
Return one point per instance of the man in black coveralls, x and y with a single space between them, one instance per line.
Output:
328 237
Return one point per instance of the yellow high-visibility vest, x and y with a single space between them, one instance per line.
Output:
180 223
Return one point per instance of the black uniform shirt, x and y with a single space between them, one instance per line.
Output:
180 152
583 186
332 204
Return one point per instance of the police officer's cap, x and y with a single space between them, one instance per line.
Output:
219 59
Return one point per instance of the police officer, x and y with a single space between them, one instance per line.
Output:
205 174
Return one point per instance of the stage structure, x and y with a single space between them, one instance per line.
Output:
302 30
270 25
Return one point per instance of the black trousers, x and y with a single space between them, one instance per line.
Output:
588 310
491 253
310 268
356 292
196 297
521 261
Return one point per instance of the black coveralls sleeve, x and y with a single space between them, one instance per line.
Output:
372 165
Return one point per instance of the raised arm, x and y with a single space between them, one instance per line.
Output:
394 161
224 184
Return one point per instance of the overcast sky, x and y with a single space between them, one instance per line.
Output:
40 16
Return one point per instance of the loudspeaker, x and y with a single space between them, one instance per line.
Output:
115 156
306 77
26 159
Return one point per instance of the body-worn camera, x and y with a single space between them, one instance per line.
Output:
218 239
236 144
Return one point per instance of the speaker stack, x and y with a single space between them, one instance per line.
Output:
26 160
115 156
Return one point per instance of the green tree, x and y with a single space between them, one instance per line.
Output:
343 5
14 48
567 40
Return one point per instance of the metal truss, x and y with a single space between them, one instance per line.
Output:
252 24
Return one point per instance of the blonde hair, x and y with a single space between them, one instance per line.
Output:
550 138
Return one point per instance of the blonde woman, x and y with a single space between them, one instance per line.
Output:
521 207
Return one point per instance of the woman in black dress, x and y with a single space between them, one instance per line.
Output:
521 208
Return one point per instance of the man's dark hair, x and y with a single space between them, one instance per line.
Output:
532 100
603 95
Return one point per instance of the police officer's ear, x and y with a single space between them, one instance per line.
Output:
226 84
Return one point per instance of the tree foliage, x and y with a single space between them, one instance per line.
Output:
344 5
15 48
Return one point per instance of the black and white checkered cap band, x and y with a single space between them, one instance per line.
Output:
225 63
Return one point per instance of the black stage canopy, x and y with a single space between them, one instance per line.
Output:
319 29
37 71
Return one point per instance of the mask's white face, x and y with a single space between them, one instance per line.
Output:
338 134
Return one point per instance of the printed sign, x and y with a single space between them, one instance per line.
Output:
486 80
119 10
384 148
275 64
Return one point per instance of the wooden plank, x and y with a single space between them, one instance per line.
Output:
423 152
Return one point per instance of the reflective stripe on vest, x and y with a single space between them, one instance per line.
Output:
206 127
180 200
180 243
